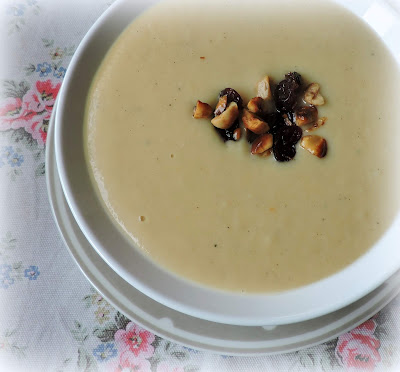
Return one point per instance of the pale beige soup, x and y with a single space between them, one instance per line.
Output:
213 213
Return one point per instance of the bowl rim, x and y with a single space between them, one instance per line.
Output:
295 305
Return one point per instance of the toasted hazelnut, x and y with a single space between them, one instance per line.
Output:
313 96
202 110
320 122
221 105
267 153
227 118
262 143
255 105
306 115
316 145
264 88
237 133
252 122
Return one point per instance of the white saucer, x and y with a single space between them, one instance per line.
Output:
193 332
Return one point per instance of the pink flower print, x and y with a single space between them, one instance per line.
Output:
127 362
47 93
32 112
38 129
10 113
165 367
136 340
32 103
357 350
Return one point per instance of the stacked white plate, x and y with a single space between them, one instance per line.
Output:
196 332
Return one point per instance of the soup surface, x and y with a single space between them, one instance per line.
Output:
210 211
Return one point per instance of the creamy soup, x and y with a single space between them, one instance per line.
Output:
210 211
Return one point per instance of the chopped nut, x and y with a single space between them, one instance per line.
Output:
255 105
264 88
313 96
221 105
253 122
320 122
237 133
202 110
267 153
262 143
316 145
227 118
306 115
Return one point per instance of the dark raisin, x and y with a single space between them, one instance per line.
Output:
286 92
232 95
283 152
274 120
295 76
228 134
285 140
289 135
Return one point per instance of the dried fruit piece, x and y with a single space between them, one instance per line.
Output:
288 121
228 134
262 143
202 110
320 122
237 133
221 105
255 105
289 135
275 121
252 122
227 118
264 88
283 152
285 140
316 145
313 96
286 92
232 95
306 115
295 76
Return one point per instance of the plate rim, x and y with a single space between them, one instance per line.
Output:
231 308
345 319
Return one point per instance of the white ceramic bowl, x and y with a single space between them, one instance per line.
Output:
307 302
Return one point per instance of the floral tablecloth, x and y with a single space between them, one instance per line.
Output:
51 319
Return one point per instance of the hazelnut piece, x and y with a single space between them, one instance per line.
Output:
313 96
262 143
316 145
253 123
221 105
237 133
264 88
306 115
227 118
320 122
255 105
202 110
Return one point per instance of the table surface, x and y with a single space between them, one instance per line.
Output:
51 318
